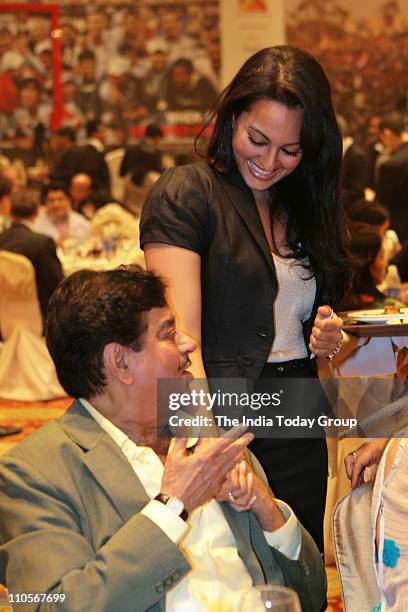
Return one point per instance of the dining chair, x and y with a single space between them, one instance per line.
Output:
27 372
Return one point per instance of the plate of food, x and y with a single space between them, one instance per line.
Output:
388 314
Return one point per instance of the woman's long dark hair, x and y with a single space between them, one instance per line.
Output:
310 195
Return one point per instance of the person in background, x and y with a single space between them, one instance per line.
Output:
126 518
354 168
152 85
80 189
186 89
21 238
72 115
251 242
375 214
6 188
392 184
375 151
144 157
366 247
87 96
57 219
11 69
14 172
95 201
60 141
32 116
122 94
88 158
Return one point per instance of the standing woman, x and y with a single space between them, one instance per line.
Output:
251 243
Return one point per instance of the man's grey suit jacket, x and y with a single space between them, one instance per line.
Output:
70 522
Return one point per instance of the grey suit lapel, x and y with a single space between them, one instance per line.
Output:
105 461
252 546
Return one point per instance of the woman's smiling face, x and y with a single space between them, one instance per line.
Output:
266 143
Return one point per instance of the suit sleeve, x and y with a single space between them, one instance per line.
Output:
44 549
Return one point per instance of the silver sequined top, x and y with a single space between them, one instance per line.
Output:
293 306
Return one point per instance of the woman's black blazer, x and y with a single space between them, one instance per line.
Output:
215 215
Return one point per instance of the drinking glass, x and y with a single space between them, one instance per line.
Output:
266 597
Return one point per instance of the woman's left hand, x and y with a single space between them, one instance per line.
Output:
326 333
237 488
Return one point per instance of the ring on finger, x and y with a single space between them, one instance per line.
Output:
354 454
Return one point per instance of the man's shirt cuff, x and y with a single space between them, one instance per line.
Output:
288 538
173 526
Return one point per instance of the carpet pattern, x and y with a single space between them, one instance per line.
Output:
31 415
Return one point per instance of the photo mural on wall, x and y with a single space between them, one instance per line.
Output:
126 64
363 47
131 64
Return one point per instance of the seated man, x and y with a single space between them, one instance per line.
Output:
122 518
57 219
21 238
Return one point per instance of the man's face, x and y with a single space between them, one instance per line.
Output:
159 62
80 188
181 76
87 68
57 205
133 26
165 354
29 97
172 26
96 24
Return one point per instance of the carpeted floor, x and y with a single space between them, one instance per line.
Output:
30 416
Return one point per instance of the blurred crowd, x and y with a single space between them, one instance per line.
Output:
366 59
120 64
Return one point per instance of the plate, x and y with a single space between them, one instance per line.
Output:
377 315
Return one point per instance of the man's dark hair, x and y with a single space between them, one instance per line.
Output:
372 213
6 186
91 127
393 121
90 309
153 130
24 203
30 81
55 186
67 132
86 54
183 62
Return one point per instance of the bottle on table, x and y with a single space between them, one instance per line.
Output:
393 282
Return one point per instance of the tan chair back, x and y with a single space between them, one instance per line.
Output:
19 305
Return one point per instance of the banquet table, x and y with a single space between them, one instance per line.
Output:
126 252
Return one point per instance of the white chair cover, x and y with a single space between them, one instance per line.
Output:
27 372
114 161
